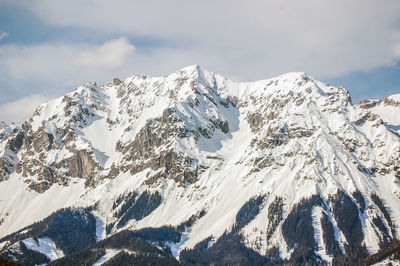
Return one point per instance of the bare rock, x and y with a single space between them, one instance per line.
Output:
81 164
116 81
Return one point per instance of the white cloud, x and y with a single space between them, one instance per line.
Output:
3 35
111 54
255 38
18 111
52 68
396 49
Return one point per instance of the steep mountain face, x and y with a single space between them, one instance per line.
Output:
197 168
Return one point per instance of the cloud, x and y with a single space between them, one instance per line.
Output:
396 49
54 68
258 38
111 54
3 35
18 111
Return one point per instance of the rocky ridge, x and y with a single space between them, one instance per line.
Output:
386 109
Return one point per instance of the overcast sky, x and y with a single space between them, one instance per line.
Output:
48 48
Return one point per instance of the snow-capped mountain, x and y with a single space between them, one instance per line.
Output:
205 170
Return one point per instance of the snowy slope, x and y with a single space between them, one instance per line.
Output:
207 144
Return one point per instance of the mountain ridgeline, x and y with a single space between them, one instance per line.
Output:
195 169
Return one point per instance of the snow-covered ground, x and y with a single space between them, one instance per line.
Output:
44 245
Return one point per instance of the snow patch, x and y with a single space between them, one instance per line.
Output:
110 253
177 247
100 228
316 222
44 245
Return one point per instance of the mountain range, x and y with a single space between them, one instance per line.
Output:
195 169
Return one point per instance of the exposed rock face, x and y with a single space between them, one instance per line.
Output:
81 165
368 103
156 133
43 141
17 141
116 81
4 169
34 148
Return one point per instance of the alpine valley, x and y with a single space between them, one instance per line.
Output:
195 169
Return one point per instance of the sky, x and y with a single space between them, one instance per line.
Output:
48 48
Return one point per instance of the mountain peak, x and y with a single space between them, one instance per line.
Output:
190 68
295 76
198 74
